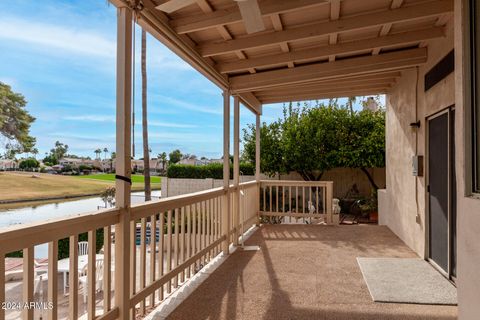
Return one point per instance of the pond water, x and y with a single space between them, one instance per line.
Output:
61 209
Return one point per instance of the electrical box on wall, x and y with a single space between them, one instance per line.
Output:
417 166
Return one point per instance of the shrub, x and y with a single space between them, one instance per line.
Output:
29 164
213 170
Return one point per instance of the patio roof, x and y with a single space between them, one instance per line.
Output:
311 49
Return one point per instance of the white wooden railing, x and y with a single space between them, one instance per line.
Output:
169 241
305 200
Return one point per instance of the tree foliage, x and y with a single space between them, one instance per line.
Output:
29 164
175 156
312 140
15 122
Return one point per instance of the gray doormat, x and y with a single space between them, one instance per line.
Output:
406 281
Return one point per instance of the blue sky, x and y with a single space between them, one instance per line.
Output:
61 56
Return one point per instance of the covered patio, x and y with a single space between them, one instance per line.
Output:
270 51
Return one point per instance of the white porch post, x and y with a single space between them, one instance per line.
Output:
257 162
124 97
257 148
236 166
226 171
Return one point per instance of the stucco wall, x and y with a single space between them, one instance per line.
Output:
398 205
403 206
468 208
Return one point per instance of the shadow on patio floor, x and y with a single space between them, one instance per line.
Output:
304 272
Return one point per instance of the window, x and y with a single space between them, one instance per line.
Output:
475 55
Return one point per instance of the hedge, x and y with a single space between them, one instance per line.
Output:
63 246
213 170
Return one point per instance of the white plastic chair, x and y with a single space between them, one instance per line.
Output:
82 248
83 278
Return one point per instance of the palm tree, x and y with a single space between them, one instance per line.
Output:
97 153
35 152
146 149
105 150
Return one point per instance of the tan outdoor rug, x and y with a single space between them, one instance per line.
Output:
402 280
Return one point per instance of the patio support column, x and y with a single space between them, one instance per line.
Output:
226 171
257 162
236 167
123 163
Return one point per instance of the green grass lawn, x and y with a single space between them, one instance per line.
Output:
136 178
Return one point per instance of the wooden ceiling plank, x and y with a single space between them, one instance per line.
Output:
278 26
232 15
334 15
387 27
368 64
333 86
323 52
324 95
388 76
222 30
413 12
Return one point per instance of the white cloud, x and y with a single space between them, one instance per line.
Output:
111 119
189 106
64 38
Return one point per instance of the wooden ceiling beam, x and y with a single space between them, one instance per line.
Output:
334 86
363 65
325 95
334 15
251 102
332 50
232 14
386 76
427 9
387 27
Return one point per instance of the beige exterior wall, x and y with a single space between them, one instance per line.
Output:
468 207
403 204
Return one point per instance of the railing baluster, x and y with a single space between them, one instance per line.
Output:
175 246
73 278
189 238
161 261
91 283
169 248
107 272
198 232
264 199
2 284
276 198
204 234
270 200
143 260
28 281
153 249
208 241
133 262
194 233
303 202
53 279
310 201
182 242
316 207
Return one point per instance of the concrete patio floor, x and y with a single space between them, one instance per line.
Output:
303 272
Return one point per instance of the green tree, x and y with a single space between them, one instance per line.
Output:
175 156
105 151
312 140
60 150
163 158
97 152
29 164
15 121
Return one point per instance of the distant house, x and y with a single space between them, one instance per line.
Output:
8 164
